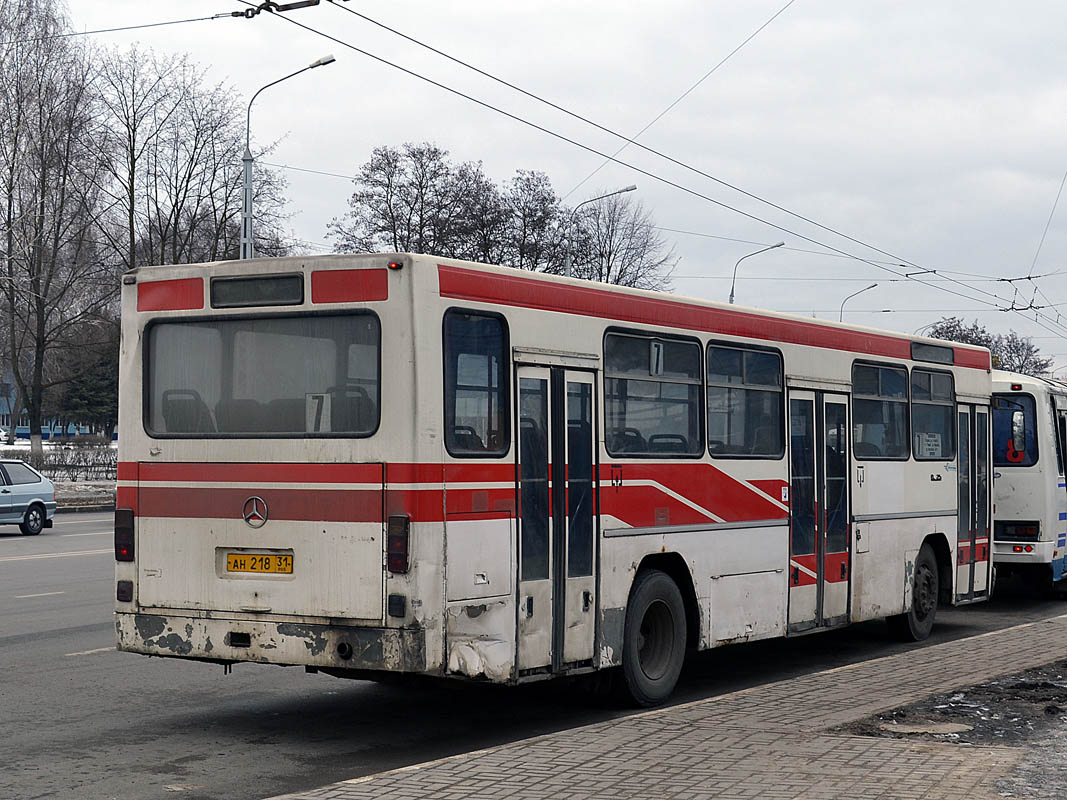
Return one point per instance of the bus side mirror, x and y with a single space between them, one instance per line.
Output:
1018 431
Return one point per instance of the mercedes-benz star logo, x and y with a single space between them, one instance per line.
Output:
255 512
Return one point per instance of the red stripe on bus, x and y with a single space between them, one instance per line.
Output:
282 504
126 497
773 488
261 473
832 571
802 577
474 285
126 471
349 285
177 295
703 484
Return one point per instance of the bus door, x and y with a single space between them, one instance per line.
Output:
557 505
972 474
1059 504
820 566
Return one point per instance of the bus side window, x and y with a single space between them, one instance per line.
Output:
1014 430
476 383
744 403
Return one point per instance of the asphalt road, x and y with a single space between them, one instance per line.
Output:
80 720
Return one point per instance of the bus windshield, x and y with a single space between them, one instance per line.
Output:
275 376
1014 430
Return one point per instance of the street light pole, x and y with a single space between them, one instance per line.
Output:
841 312
574 219
247 246
734 279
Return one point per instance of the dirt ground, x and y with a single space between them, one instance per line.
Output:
1027 711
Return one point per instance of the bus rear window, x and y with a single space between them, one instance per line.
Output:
275 376
1014 430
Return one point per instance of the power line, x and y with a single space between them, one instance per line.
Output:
680 98
671 183
1051 214
619 136
976 276
312 171
114 30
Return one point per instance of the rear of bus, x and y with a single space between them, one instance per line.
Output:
1029 425
252 519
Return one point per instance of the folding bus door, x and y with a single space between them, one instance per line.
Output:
820 562
557 532
972 471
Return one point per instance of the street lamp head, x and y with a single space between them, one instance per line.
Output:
631 188
322 62
777 244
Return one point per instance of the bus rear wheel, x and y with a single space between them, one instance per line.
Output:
915 624
654 640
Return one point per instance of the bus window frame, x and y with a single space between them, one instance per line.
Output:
1037 437
907 405
146 374
702 400
507 375
742 346
953 432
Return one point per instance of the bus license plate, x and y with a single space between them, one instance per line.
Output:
259 562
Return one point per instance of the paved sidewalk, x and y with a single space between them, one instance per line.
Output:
764 742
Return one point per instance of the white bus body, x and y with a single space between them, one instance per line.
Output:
1029 492
401 463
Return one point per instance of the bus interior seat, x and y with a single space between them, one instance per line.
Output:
668 443
353 410
532 441
628 440
286 414
185 412
466 438
240 416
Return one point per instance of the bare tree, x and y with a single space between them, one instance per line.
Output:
54 280
1009 351
534 232
174 173
413 198
617 242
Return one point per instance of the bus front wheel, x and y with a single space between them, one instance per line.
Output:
915 624
654 640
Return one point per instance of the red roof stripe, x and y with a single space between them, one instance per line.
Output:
182 294
466 284
349 285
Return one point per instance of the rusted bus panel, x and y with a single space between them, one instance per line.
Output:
334 646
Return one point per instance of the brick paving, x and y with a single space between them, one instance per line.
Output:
768 741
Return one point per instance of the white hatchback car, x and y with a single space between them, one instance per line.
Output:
26 497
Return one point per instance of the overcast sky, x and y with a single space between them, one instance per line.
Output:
934 131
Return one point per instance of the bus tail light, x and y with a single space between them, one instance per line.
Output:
124 534
396 543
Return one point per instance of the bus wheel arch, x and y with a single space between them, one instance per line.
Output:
657 631
916 623
943 555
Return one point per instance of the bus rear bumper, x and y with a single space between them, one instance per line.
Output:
1041 552
287 643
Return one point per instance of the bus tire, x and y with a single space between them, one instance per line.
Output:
654 639
915 624
33 523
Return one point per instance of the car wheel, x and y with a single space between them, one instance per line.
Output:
33 523
654 640
915 624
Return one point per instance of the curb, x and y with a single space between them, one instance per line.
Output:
84 508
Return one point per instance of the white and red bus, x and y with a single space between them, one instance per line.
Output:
400 463
1030 495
